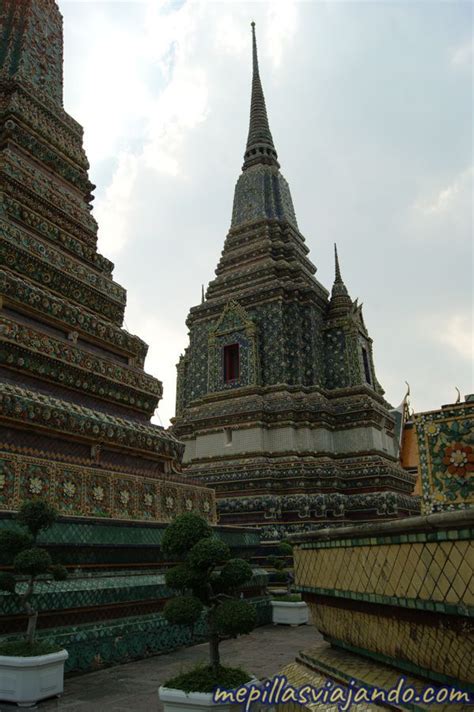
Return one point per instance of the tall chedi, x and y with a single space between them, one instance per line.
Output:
277 400
75 402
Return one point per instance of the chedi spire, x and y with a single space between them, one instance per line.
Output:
340 302
260 147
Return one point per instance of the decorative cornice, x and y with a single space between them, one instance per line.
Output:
77 248
32 408
33 298
30 350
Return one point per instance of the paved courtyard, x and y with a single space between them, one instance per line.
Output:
133 687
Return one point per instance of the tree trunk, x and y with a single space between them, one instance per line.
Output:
214 652
30 611
32 620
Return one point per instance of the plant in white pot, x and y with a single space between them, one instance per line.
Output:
207 581
287 609
30 669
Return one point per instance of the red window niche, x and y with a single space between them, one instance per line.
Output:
231 362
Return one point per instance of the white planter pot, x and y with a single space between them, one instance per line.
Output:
289 613
30 679
178 701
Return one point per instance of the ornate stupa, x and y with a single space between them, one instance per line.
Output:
278 403
75 401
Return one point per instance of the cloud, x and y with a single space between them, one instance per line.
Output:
113 209
448 198
457 332
281 28
445 211
462 56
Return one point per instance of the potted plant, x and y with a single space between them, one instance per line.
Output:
30 670
288 608
207 581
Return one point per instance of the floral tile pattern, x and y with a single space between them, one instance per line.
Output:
88 492
446 447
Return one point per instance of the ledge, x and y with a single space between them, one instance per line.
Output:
460 519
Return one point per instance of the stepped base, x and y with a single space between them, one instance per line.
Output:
322 662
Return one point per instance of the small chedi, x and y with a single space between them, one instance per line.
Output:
278 403
397 598
75 401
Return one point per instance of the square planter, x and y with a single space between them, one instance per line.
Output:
179 701
27 680
288 613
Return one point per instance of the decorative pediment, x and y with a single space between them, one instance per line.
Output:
233 318
357 316
234 329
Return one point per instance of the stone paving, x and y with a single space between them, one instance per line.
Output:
133 687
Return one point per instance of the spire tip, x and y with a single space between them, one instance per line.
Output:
336 259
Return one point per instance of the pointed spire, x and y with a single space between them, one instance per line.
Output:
340 302
260 148
339 288
338 278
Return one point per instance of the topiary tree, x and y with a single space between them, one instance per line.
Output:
208 581
281 575
29 562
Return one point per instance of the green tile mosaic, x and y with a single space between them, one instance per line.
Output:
105 643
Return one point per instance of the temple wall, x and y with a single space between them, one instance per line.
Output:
289 439
399 593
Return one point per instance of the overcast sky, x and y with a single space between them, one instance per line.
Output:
371 110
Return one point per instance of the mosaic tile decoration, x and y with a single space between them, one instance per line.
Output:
430 575
443 652
446 448
103 589
87 492
73 385
321 662
97 645
298 675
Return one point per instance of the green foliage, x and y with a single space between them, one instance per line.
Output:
212 577
36 516
234 574
285 548
280 577
11 543
32 562
183 610
18 548
58 572
276 563
234 617
7 582
180 577
288 598
204 679
208 553
183 533
24 649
